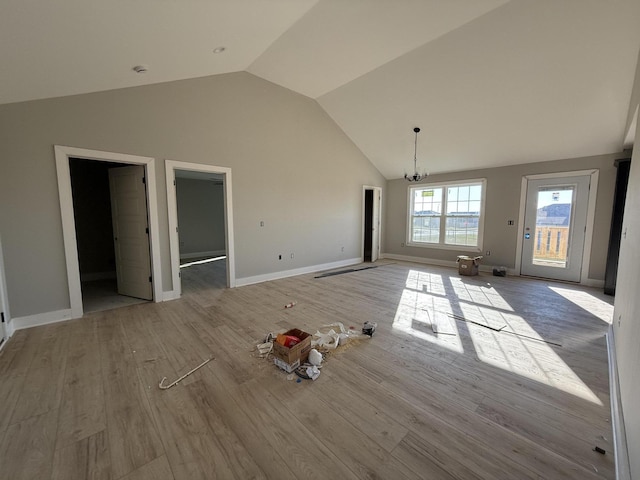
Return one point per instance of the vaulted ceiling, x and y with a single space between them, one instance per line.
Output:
489 82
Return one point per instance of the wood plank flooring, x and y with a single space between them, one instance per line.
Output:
80 399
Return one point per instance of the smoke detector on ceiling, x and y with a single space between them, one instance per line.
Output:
141 68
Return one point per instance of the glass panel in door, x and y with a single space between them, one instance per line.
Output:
553 224
555 227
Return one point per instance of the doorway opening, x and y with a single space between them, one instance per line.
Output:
371 201
201 228
557 224
110 216
135 256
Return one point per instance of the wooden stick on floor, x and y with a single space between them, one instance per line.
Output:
165 387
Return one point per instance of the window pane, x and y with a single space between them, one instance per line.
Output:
461 230
426 229
457 207
427 201
463 193
460 216
475 192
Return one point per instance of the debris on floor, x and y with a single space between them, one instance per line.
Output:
287 367
264 349
308 372
290 305
499 272
369 328
299 352
162 386
315 357
475 322
329 337
287 340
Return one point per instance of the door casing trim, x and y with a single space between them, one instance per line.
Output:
376 191
62 155
591 210
172 208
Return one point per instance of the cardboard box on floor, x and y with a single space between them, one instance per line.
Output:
468 265
299 352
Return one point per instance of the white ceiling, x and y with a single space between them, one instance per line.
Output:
490 82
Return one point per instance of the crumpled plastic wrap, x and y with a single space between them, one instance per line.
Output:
329 337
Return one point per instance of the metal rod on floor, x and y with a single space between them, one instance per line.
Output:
165 387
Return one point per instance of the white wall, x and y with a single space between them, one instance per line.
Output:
502 204
293 169
626 316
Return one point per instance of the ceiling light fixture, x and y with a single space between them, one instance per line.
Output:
219 49
416 177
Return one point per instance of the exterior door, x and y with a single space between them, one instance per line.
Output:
555 227
131 231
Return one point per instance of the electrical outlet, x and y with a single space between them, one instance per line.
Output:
402 244
261 223
510 222
292 255
279 257
488 253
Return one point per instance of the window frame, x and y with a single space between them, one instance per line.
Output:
443 215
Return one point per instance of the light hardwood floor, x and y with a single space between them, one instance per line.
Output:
80 399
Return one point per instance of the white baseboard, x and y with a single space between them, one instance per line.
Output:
92 277
10 329
211 253
240 282
427 261
591 282
440 263
9 332
18 323
170 295
621 453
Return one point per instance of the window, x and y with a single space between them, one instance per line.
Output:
447 215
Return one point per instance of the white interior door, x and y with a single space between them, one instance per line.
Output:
375 225
555 227
131 231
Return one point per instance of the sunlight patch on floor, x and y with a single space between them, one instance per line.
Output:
532 359
425 282
490 317
483 294
413 317
201 262
453 307
591 303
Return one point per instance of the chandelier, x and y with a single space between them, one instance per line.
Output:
416 177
